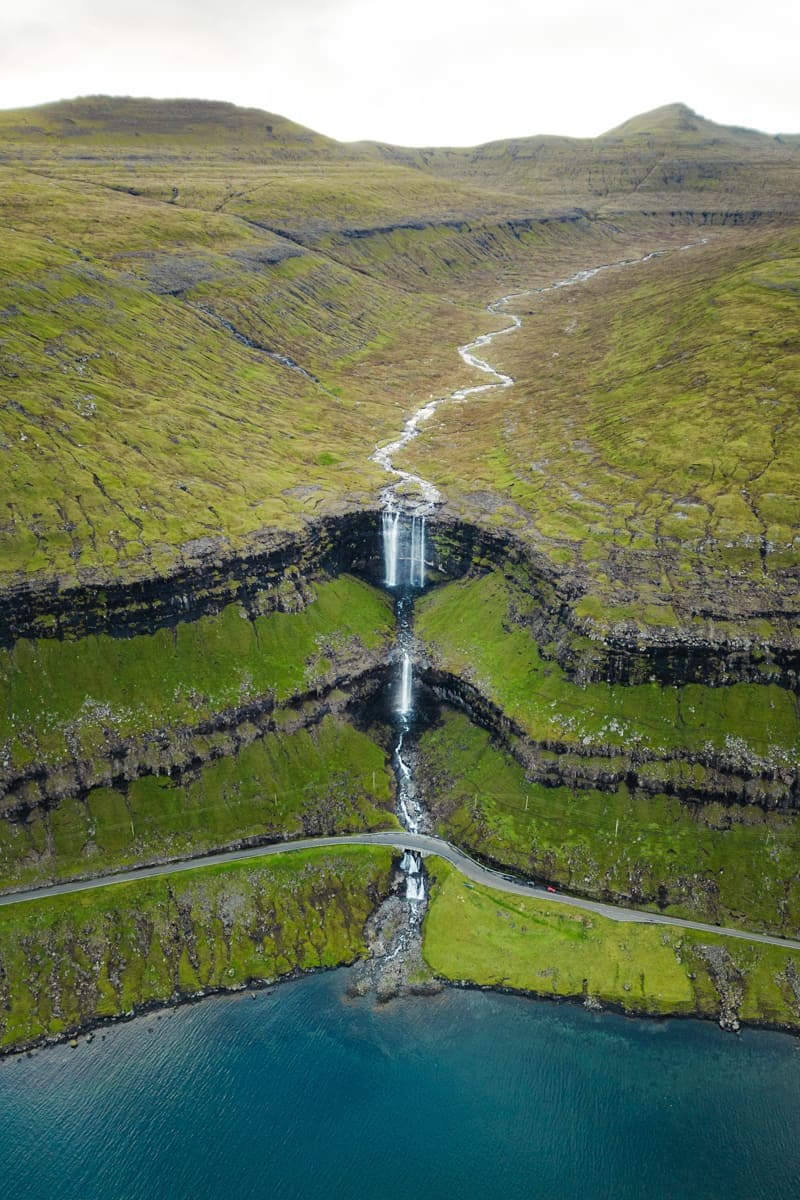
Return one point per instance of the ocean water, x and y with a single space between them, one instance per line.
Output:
302 1092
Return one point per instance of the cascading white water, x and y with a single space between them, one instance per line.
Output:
416 565
415 887
411 865
406 682
390 536
412 554
403 542
403 546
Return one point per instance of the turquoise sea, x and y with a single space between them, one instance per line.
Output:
302 1092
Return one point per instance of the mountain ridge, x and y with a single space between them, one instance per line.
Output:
123 114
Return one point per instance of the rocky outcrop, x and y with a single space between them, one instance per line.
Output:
270 573
394 965
728 981
733 776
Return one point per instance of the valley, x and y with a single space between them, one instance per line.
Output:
573 599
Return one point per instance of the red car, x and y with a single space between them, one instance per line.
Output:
550 887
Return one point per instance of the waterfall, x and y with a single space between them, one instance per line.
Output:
415 887
403 545
411 865
404 704
390 534
412 556
416 566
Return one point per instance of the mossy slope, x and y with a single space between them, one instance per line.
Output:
325 779
65 700
647 445
119 750
732 864
174 375
71 961
479 629
481 936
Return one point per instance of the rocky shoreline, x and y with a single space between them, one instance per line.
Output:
394 969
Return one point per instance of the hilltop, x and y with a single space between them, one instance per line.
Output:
669 159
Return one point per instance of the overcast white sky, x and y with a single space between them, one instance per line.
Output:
418 72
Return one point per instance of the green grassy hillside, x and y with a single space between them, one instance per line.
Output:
476 934
648 445
82 693
115 750
173 374
74 960
733 864
212 315
295 782
209 319
667 160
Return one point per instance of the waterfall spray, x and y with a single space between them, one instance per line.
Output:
403 548
390 536
404 704
416 566
411 865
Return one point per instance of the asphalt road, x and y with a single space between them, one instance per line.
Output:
400 841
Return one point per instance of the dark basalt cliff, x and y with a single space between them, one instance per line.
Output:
722 777
281 575
269 575
179 751
273 573
695 652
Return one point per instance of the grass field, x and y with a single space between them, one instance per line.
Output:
173 374
481 936
734 864
73 960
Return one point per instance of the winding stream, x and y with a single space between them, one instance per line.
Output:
403 530
394 504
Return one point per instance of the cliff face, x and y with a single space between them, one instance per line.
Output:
719 645
240 680
702 776
724 646
121 746
667 776
272 574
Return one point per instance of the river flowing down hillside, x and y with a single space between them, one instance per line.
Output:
408 502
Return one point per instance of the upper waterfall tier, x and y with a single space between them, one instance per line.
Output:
403 544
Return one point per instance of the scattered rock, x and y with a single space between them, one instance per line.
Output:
395 966
728 981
